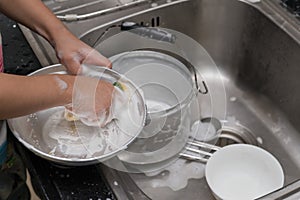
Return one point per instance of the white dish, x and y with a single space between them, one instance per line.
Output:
243 171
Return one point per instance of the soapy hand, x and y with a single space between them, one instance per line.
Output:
72 53
91 100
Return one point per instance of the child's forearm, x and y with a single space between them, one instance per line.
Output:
22 95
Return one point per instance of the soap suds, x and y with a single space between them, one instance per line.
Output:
176 176
61 84
74 139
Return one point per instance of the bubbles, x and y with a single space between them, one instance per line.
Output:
32 117
76 140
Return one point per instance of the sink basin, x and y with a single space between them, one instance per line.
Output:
256 48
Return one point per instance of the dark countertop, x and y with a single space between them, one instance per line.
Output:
50 181
18 56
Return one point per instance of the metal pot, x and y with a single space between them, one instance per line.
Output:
170 95
34 131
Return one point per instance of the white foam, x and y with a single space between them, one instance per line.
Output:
61 84
178 174
74 139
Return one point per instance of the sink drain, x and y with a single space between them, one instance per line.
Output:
235 134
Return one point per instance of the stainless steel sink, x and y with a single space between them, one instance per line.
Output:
255 46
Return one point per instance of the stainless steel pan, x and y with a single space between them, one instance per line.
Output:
30 131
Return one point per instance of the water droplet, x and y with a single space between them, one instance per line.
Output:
232 99
259 140
154 5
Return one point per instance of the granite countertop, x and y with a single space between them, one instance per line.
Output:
49 180
18 56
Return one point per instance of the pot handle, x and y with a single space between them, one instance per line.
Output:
199 89
148 118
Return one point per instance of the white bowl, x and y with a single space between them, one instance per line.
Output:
243 171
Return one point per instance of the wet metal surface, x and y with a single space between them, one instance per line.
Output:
256 48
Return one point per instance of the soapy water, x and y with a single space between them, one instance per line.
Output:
75 139
176 175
